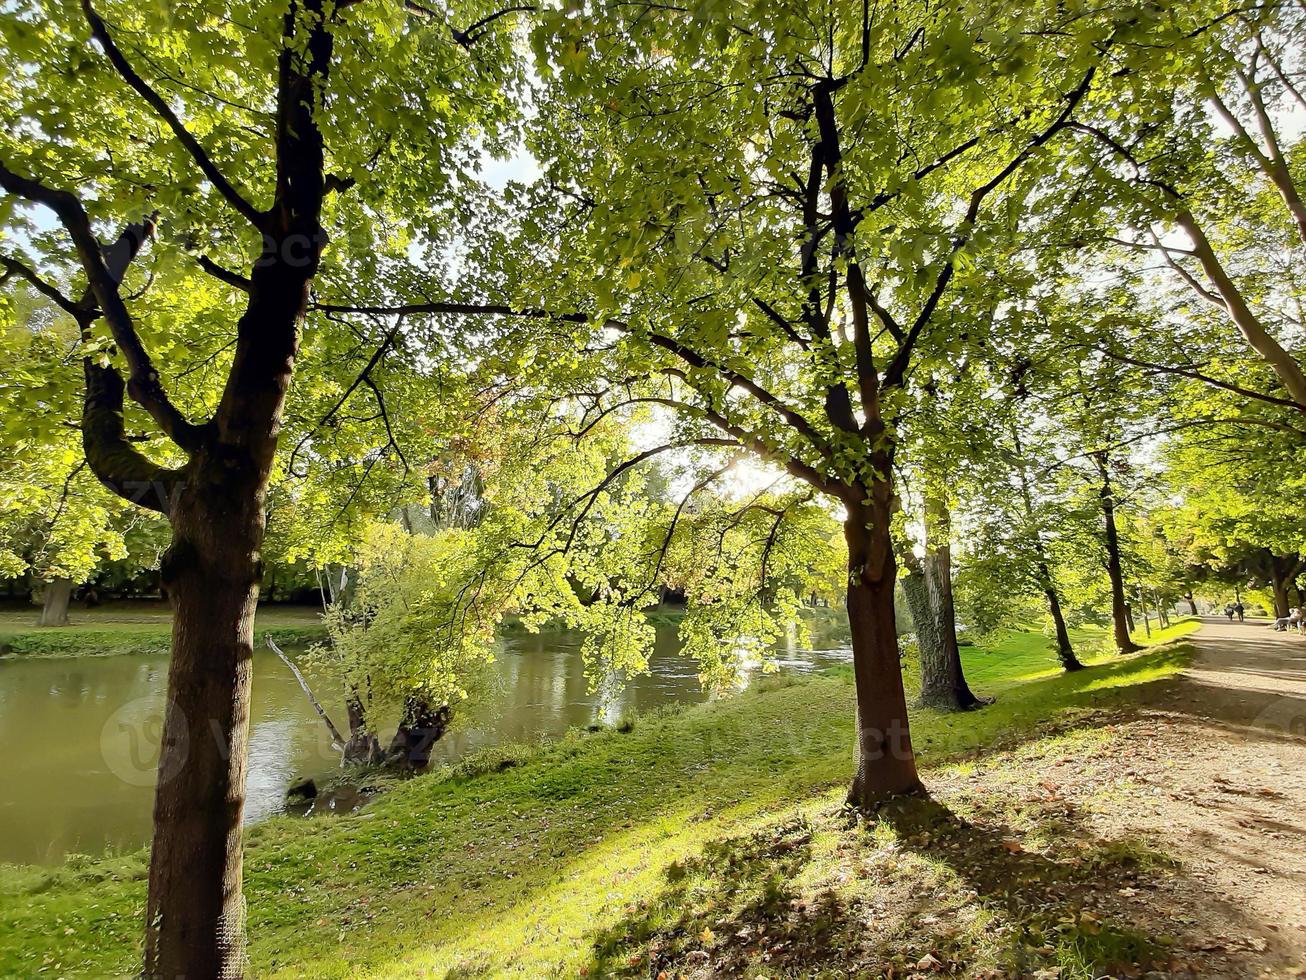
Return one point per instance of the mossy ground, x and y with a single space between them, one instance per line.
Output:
532 862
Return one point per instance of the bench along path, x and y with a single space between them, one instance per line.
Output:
1223 749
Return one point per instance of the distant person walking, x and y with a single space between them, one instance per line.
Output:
1228 610
1238 608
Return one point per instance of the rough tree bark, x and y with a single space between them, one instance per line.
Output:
194 909
215 502
928 588
363 746
54 603
886 765
1111 543
419 729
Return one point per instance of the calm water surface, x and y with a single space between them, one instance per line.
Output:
80 736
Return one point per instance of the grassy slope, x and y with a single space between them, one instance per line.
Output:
1024 655
518 870
134 627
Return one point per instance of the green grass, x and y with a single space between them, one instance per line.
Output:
1027 654
517 866
136 627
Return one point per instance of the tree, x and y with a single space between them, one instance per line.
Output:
928 588
1235 519
164 128
1019 525
380 649
934 437
1196 167
765 221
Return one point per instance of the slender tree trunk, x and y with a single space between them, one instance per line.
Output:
1142 602
54 602
1065 649
363 745
886 765
1161 614
1119 609
928 588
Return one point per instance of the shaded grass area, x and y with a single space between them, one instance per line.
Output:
985 883
521 861
136 627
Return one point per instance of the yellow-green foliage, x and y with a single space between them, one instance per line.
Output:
400 631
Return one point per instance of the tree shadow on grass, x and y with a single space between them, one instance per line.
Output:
919 891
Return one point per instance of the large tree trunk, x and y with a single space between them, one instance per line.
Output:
194 912
1279 585
1119 609
194 908
54 602
419 729
886 765
928 588
1192 603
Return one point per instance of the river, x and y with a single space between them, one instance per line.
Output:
81 735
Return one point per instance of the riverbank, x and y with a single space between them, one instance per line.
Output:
543 860
137 628
145 627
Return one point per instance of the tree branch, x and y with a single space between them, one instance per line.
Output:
46 289
215 177
896 371
233 279
143 384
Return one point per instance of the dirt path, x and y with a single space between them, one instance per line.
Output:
1201 786
1207 771
1222 753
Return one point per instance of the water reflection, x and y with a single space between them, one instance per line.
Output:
81 736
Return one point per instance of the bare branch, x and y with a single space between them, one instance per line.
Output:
233 279
43 287
363 377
